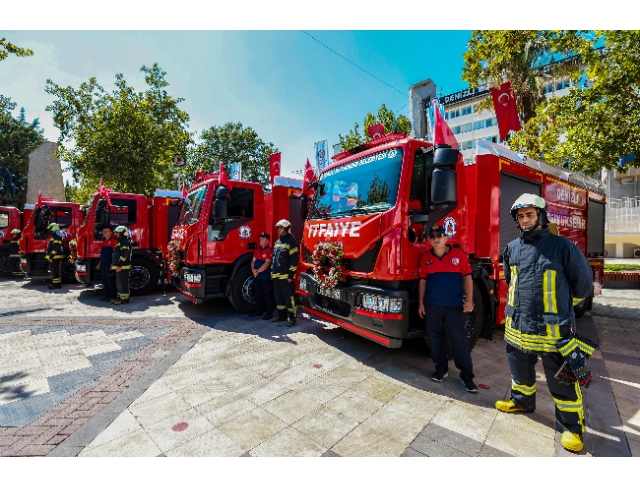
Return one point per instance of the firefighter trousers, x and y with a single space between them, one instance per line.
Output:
108 277
122 284
56 269
568 398
263 291
284 294
15 264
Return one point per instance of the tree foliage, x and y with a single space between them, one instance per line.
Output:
591 128
7 48
231 143
18 137
385 116
126 138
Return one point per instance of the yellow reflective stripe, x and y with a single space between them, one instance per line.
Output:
526 390
587 348
293 250
553 331
512 285
292 268
282 246
123 258
549 291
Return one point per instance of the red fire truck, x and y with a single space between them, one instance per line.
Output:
218 232
380 199
35 235
10 219
149 221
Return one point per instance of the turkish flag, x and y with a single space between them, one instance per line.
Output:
274 165
504 104
223 179
104 193
184 189
309 177
376 131
39 202
442 134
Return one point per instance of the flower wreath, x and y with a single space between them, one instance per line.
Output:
174 257
327 259
73 250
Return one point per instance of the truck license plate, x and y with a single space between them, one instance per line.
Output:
330 293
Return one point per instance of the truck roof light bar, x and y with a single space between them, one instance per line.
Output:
385 139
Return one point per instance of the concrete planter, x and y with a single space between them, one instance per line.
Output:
622 280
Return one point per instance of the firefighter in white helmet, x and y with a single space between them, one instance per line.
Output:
55 256
283 268
544 273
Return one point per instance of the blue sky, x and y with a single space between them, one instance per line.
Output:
288 87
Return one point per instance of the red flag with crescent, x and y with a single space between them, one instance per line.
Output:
504 104
223 178
274 165
39 202
309 177
184 189
442 134
376 131
103 192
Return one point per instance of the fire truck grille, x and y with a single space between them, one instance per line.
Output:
333 305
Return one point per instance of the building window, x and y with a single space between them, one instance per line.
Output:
467 110
478 125
446 115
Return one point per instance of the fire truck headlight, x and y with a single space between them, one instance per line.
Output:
303 285
395 305
23 260
81 268
383 304
197 278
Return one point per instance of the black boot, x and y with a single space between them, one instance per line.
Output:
55 286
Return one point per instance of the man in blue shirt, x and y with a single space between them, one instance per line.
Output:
107 275
444 274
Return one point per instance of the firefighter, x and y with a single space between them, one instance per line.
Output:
14 250
283 269
107 274
121 263
444 274
262 285
55 255
544 273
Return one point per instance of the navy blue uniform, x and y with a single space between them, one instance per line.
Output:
544 273
108 275
443 304
262 286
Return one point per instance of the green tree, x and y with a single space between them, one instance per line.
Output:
7 48
597 123
18 137
391 122
126 138
231 143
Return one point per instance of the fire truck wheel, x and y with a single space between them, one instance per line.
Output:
5 265
580 308
241 290
68 272
143 277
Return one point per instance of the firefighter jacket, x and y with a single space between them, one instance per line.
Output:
55 249
285 257
544 273
14 247
121 256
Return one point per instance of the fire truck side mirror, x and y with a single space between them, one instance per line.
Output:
304 207
444 187
101 216
221 203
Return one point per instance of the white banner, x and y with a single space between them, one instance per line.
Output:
322 154
236 171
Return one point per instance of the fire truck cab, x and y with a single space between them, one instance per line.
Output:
35 235
380 199
218 232
149 220
10 219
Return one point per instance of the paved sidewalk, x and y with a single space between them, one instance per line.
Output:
179 380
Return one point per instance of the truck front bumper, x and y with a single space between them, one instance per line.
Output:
85 271
34 264
351 308
191 283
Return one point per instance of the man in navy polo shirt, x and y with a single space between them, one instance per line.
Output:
444 272
262 286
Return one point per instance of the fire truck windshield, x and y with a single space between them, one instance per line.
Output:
4 219
192 206
366 185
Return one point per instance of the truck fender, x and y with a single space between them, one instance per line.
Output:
242 260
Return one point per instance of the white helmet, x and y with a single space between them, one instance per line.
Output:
283 223
530 200
122 230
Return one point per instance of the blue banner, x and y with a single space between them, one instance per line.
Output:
236 171
322 154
